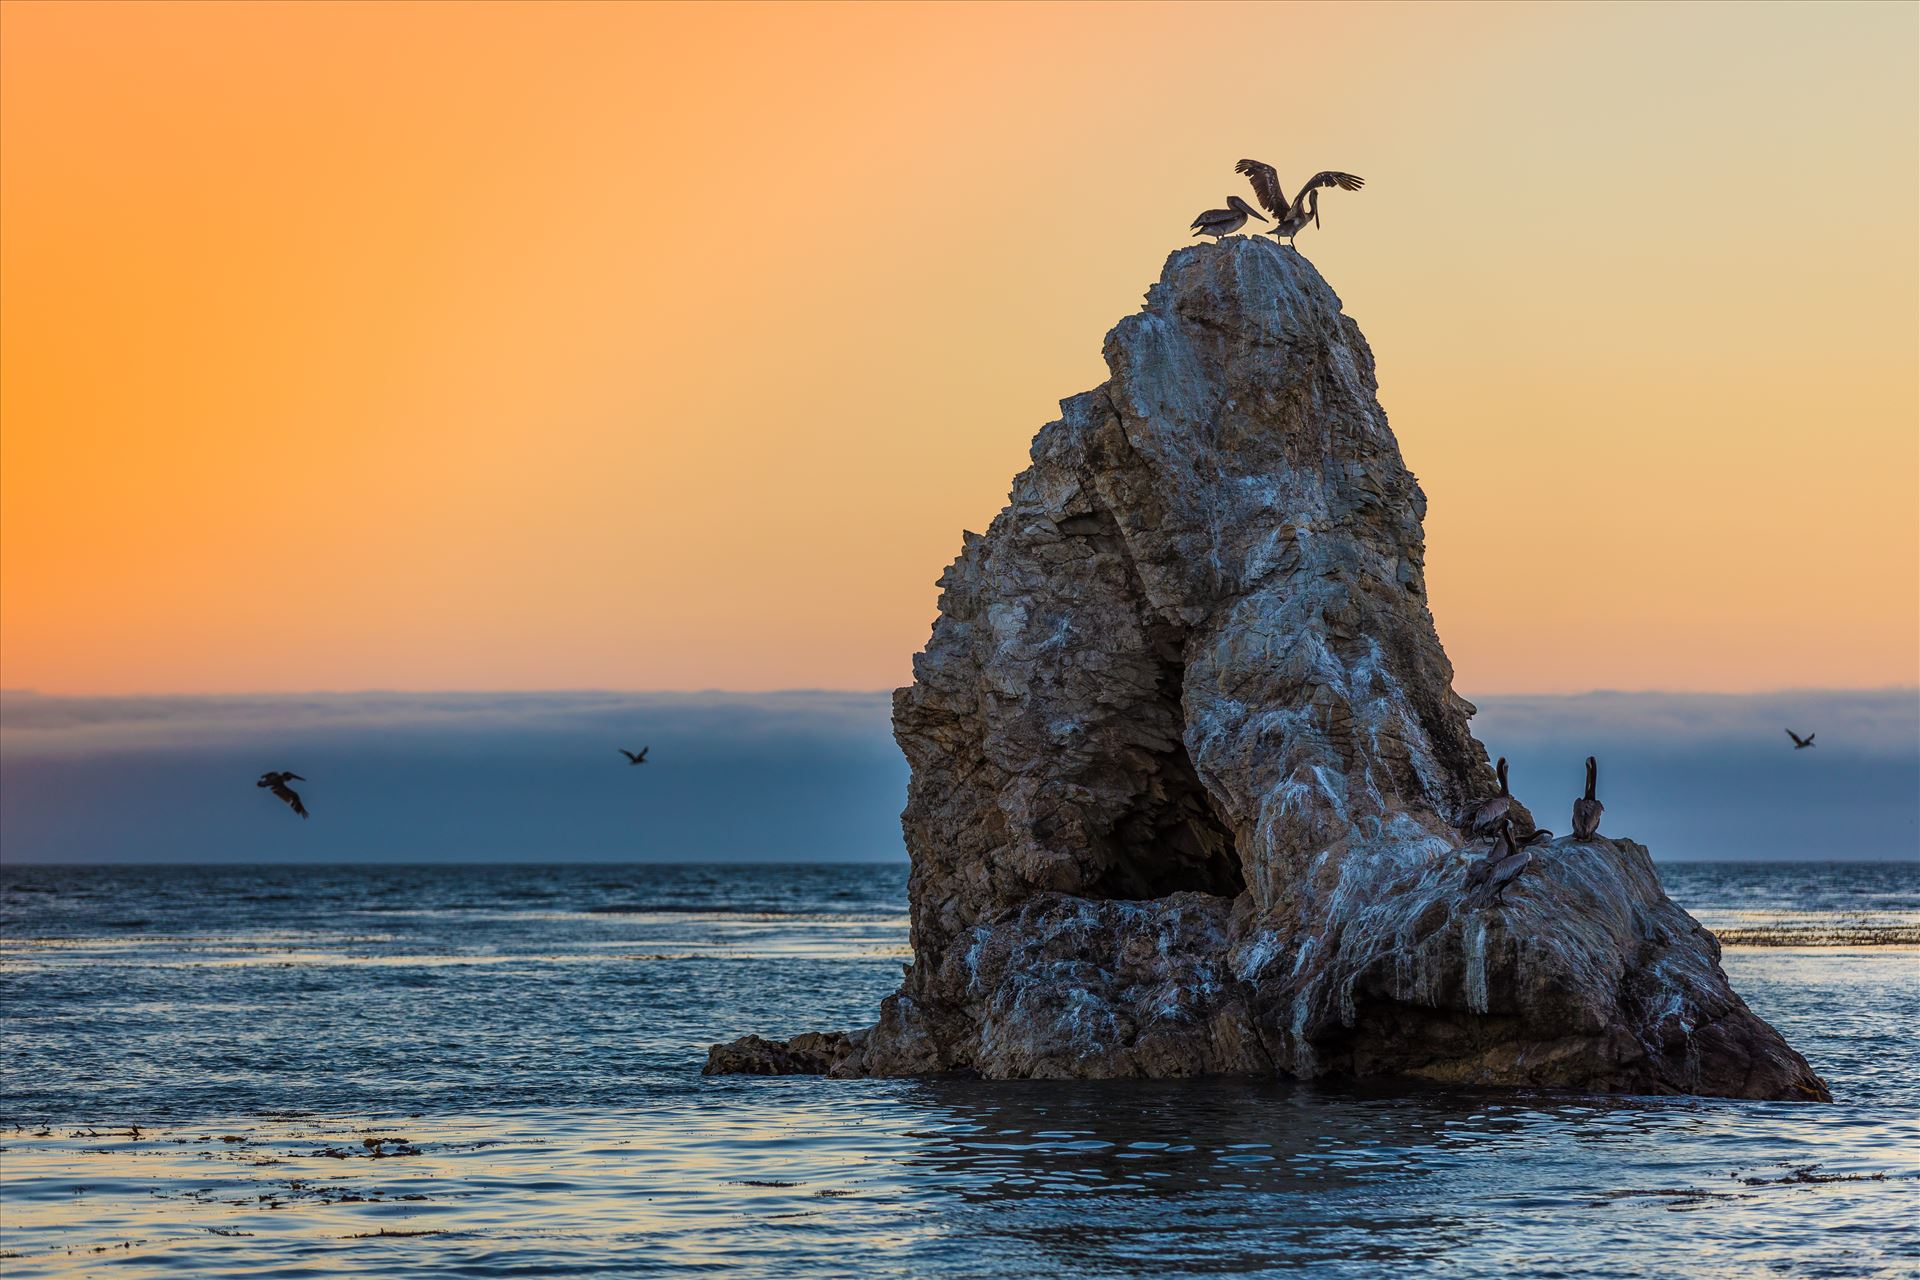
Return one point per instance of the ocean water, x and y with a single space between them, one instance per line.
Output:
495 1072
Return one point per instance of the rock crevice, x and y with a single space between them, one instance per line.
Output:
1186 762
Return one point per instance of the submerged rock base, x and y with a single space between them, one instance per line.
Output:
1187 762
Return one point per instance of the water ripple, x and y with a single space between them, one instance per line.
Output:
352 1072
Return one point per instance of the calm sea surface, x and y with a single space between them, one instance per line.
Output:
495 1072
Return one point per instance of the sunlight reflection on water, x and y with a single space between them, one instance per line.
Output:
962 1178
528 1083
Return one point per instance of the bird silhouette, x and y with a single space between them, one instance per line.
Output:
1487 816
1292 216
1800 743
1477 873
633 759
1224 222
1504 864
1587 809
276 782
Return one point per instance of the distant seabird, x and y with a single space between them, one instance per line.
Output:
1485 818
1290 217
632 758
1800 743
276 782
1586 810
1224 222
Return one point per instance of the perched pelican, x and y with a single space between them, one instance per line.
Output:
1224 222
1505 863
1586 810
1477 874
1540 835
1289 218
633 759
1800 743
276 782
1484 819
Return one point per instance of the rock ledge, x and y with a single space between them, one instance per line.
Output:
1186 764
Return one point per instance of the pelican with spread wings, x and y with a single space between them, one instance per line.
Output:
1289 218
276 781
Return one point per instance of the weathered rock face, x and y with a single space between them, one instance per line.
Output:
1187 760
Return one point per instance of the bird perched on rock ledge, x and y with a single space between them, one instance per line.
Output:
1500 868
1292 216
1484 818
1587 809
1224 222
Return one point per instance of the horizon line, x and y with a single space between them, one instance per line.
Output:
380 690
737 863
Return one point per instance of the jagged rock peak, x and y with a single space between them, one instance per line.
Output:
1187 762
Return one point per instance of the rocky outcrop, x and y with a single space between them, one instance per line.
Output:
1186 764
814 1053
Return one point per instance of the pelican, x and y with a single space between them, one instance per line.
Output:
1305 208
1485 818
1586 810
1477 874
276 782
1800 743
1504 864
1224 222
1539 835
633 759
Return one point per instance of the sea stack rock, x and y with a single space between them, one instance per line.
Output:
1187 763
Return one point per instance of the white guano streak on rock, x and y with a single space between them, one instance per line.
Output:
1477 963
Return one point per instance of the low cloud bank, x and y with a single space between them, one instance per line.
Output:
814 775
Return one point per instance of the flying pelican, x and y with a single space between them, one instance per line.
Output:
1485 818
633 759
1505 863
1586 810
276 782
1800 743
1289 218
1224 222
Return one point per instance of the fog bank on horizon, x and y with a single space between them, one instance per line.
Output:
814 776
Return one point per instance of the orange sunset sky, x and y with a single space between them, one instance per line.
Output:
546 346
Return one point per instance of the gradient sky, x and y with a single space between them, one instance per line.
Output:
505 346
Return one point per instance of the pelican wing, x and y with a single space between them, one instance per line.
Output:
1214 217
1330 178
1509 868
292 798
1266 186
